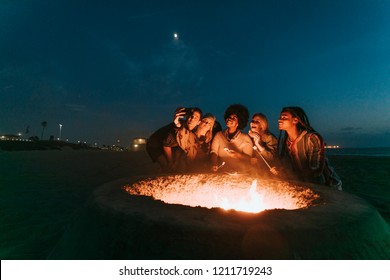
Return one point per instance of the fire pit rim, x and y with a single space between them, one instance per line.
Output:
336 205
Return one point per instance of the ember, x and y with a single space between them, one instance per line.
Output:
238 192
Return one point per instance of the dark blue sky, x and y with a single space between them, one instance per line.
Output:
109 70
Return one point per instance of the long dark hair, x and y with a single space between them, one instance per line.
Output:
303 120
303 124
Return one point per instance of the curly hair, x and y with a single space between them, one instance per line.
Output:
242 114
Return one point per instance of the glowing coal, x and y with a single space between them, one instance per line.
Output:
238 192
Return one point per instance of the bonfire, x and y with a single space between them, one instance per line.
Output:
229 192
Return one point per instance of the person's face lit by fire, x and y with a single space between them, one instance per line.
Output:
232 122
206 124
287 121
258 124
193 120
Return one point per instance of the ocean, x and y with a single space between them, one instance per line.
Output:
385 152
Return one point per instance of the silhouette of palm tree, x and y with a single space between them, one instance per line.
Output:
44 124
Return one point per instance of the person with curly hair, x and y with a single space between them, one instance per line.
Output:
231 148
302 150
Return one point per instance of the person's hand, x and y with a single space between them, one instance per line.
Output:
230 153
215 167
254 135
256 139
179 114
274 171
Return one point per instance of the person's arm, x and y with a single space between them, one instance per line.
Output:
266 145
214 152
214 162
316 154
168 153
179 114
270 149
168 143
247 148
244 150
240 155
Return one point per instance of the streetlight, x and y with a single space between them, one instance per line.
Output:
60 132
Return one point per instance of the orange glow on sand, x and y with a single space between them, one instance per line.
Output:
238 192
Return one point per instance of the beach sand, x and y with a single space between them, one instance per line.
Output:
368 177
43 192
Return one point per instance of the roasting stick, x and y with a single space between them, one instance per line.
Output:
257 150
222 164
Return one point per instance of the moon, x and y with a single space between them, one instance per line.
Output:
175 36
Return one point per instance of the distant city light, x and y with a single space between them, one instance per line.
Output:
138 144
59 138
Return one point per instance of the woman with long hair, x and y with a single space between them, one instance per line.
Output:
197 144
265 143
302 149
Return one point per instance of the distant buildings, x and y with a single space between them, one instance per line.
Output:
12 137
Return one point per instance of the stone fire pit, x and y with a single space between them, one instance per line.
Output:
161 218
236 192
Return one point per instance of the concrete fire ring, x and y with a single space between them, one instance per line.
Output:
116 225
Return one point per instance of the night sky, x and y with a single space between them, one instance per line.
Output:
112 70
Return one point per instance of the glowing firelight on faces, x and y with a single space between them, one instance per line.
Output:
240 193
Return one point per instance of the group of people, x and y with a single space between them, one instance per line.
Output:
196 142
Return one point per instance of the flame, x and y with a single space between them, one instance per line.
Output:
251 201
241 193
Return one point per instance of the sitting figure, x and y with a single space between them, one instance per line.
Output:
302 150
197 144
162 145
231 149
265 154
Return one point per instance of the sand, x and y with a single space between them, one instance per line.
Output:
44 192
367 177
